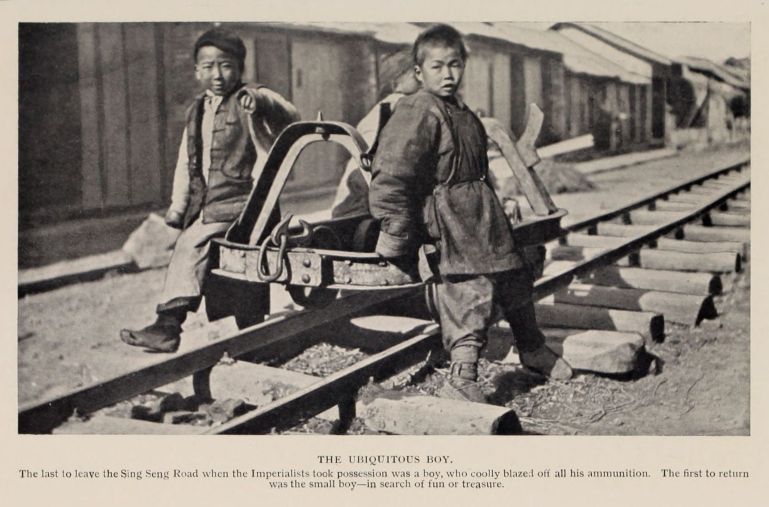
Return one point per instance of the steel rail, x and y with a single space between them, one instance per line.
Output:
338 388
548 285
650 199
43 416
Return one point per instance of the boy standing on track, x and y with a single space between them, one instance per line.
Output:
229 131
429 185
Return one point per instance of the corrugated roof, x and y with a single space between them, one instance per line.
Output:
576 58
618 42
528 38
581 60
705 65
391 33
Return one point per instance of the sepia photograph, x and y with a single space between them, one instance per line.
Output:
384 228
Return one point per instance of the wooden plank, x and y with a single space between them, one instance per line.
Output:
399 414
62 273
717 262
624 230
673 206
90 119
682 245
716 233
652 279
116 127
143 114
650 325
533 189
645 217
678 245
738 205
680 308
42 416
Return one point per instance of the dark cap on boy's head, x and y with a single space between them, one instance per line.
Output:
225 41
440 34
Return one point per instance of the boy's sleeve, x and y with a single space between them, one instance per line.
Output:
276 112
180 192
403 164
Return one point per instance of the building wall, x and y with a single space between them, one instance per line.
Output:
584 99
476 87
555 109
502 107
49 121
486 83
121 115
527 87
656 73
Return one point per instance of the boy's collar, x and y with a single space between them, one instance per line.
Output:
456 99
209 93
459 102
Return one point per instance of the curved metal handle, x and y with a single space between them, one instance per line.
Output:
263 274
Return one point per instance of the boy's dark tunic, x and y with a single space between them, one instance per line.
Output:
429 186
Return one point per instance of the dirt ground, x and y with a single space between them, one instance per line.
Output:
68 338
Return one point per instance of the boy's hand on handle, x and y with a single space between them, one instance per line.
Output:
248 103
174 219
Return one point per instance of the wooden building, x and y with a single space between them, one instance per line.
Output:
708 102
653 67
102 105
536 75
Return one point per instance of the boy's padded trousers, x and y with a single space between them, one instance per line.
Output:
469 304
189 262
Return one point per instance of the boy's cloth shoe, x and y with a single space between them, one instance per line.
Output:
163 335
460 389
546 362
462 383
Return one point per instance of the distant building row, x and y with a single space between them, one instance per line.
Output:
101 104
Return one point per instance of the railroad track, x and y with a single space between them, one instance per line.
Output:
656 258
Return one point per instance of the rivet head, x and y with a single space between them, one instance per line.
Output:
306 278
348 262
306 263
348 279
383 263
